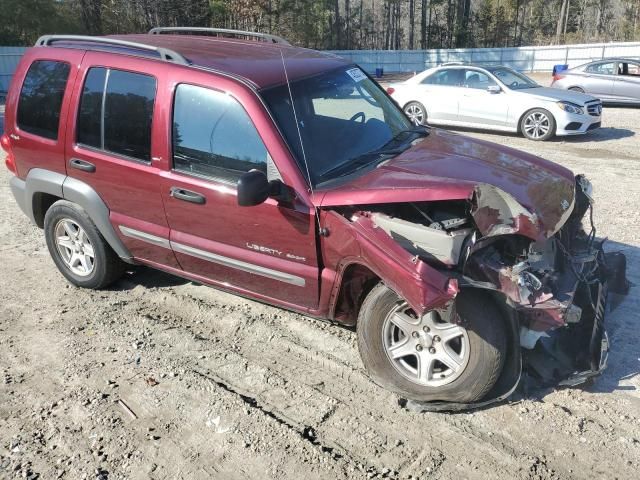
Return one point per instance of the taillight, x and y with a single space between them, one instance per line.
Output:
10 162
390 90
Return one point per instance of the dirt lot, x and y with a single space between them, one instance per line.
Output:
225 388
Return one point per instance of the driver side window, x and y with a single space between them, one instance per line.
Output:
213 136
478 80
603 68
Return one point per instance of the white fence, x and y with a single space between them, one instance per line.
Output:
9 58
527 59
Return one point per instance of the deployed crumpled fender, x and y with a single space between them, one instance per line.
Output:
358 240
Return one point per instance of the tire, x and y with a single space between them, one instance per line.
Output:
538 125
69 231
576 89
482 333
416 113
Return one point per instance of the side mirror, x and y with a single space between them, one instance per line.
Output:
254 188
494 89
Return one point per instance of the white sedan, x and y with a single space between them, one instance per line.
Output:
495 98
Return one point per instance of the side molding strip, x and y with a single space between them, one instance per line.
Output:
238 264
145 237
213 258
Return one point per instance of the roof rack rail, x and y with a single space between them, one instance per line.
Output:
451 64
267 37
165 54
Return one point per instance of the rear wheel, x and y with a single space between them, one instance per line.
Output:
78 249
416 113
426 358
576 89
538 125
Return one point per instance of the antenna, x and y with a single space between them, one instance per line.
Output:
304 155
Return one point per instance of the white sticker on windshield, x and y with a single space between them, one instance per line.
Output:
357 74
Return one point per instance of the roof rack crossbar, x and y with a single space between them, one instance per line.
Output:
220 31
165 54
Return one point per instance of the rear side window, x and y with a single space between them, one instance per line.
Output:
41 98
214 136
116 112
452 77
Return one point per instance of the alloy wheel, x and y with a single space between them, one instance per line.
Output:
74 247
415 113
425 349
537 125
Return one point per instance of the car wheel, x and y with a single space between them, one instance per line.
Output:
538 124
425 358
78 249
416 113
576 89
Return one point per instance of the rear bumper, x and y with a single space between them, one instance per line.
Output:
19 191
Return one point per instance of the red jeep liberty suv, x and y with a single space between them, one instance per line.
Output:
289 176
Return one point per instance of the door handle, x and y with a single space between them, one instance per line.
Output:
187 195
82 165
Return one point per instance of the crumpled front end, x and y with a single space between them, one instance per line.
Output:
558 287
545 271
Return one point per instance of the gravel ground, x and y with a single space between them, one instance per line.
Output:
161 378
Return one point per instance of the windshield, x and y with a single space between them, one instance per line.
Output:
512 79
345 120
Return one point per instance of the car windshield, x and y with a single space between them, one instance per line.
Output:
512 79
347 123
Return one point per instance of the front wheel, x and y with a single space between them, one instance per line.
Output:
427 358
538 125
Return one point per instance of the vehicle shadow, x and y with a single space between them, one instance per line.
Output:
623 328
138 275
599 135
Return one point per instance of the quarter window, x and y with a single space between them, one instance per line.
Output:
116 112
41 98
213 135
452 77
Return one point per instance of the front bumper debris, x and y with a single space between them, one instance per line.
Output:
558 295
566 356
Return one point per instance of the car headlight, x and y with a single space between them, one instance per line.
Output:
570 107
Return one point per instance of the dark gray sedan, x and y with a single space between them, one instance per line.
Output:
612 80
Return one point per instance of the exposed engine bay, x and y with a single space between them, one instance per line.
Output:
552 281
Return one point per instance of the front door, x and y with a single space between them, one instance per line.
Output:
113 143
599 79
267 251
478 106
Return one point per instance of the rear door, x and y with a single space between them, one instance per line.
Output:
114 145
36 116
267 251
477 105
439 93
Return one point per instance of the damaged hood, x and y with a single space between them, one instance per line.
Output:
511 191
